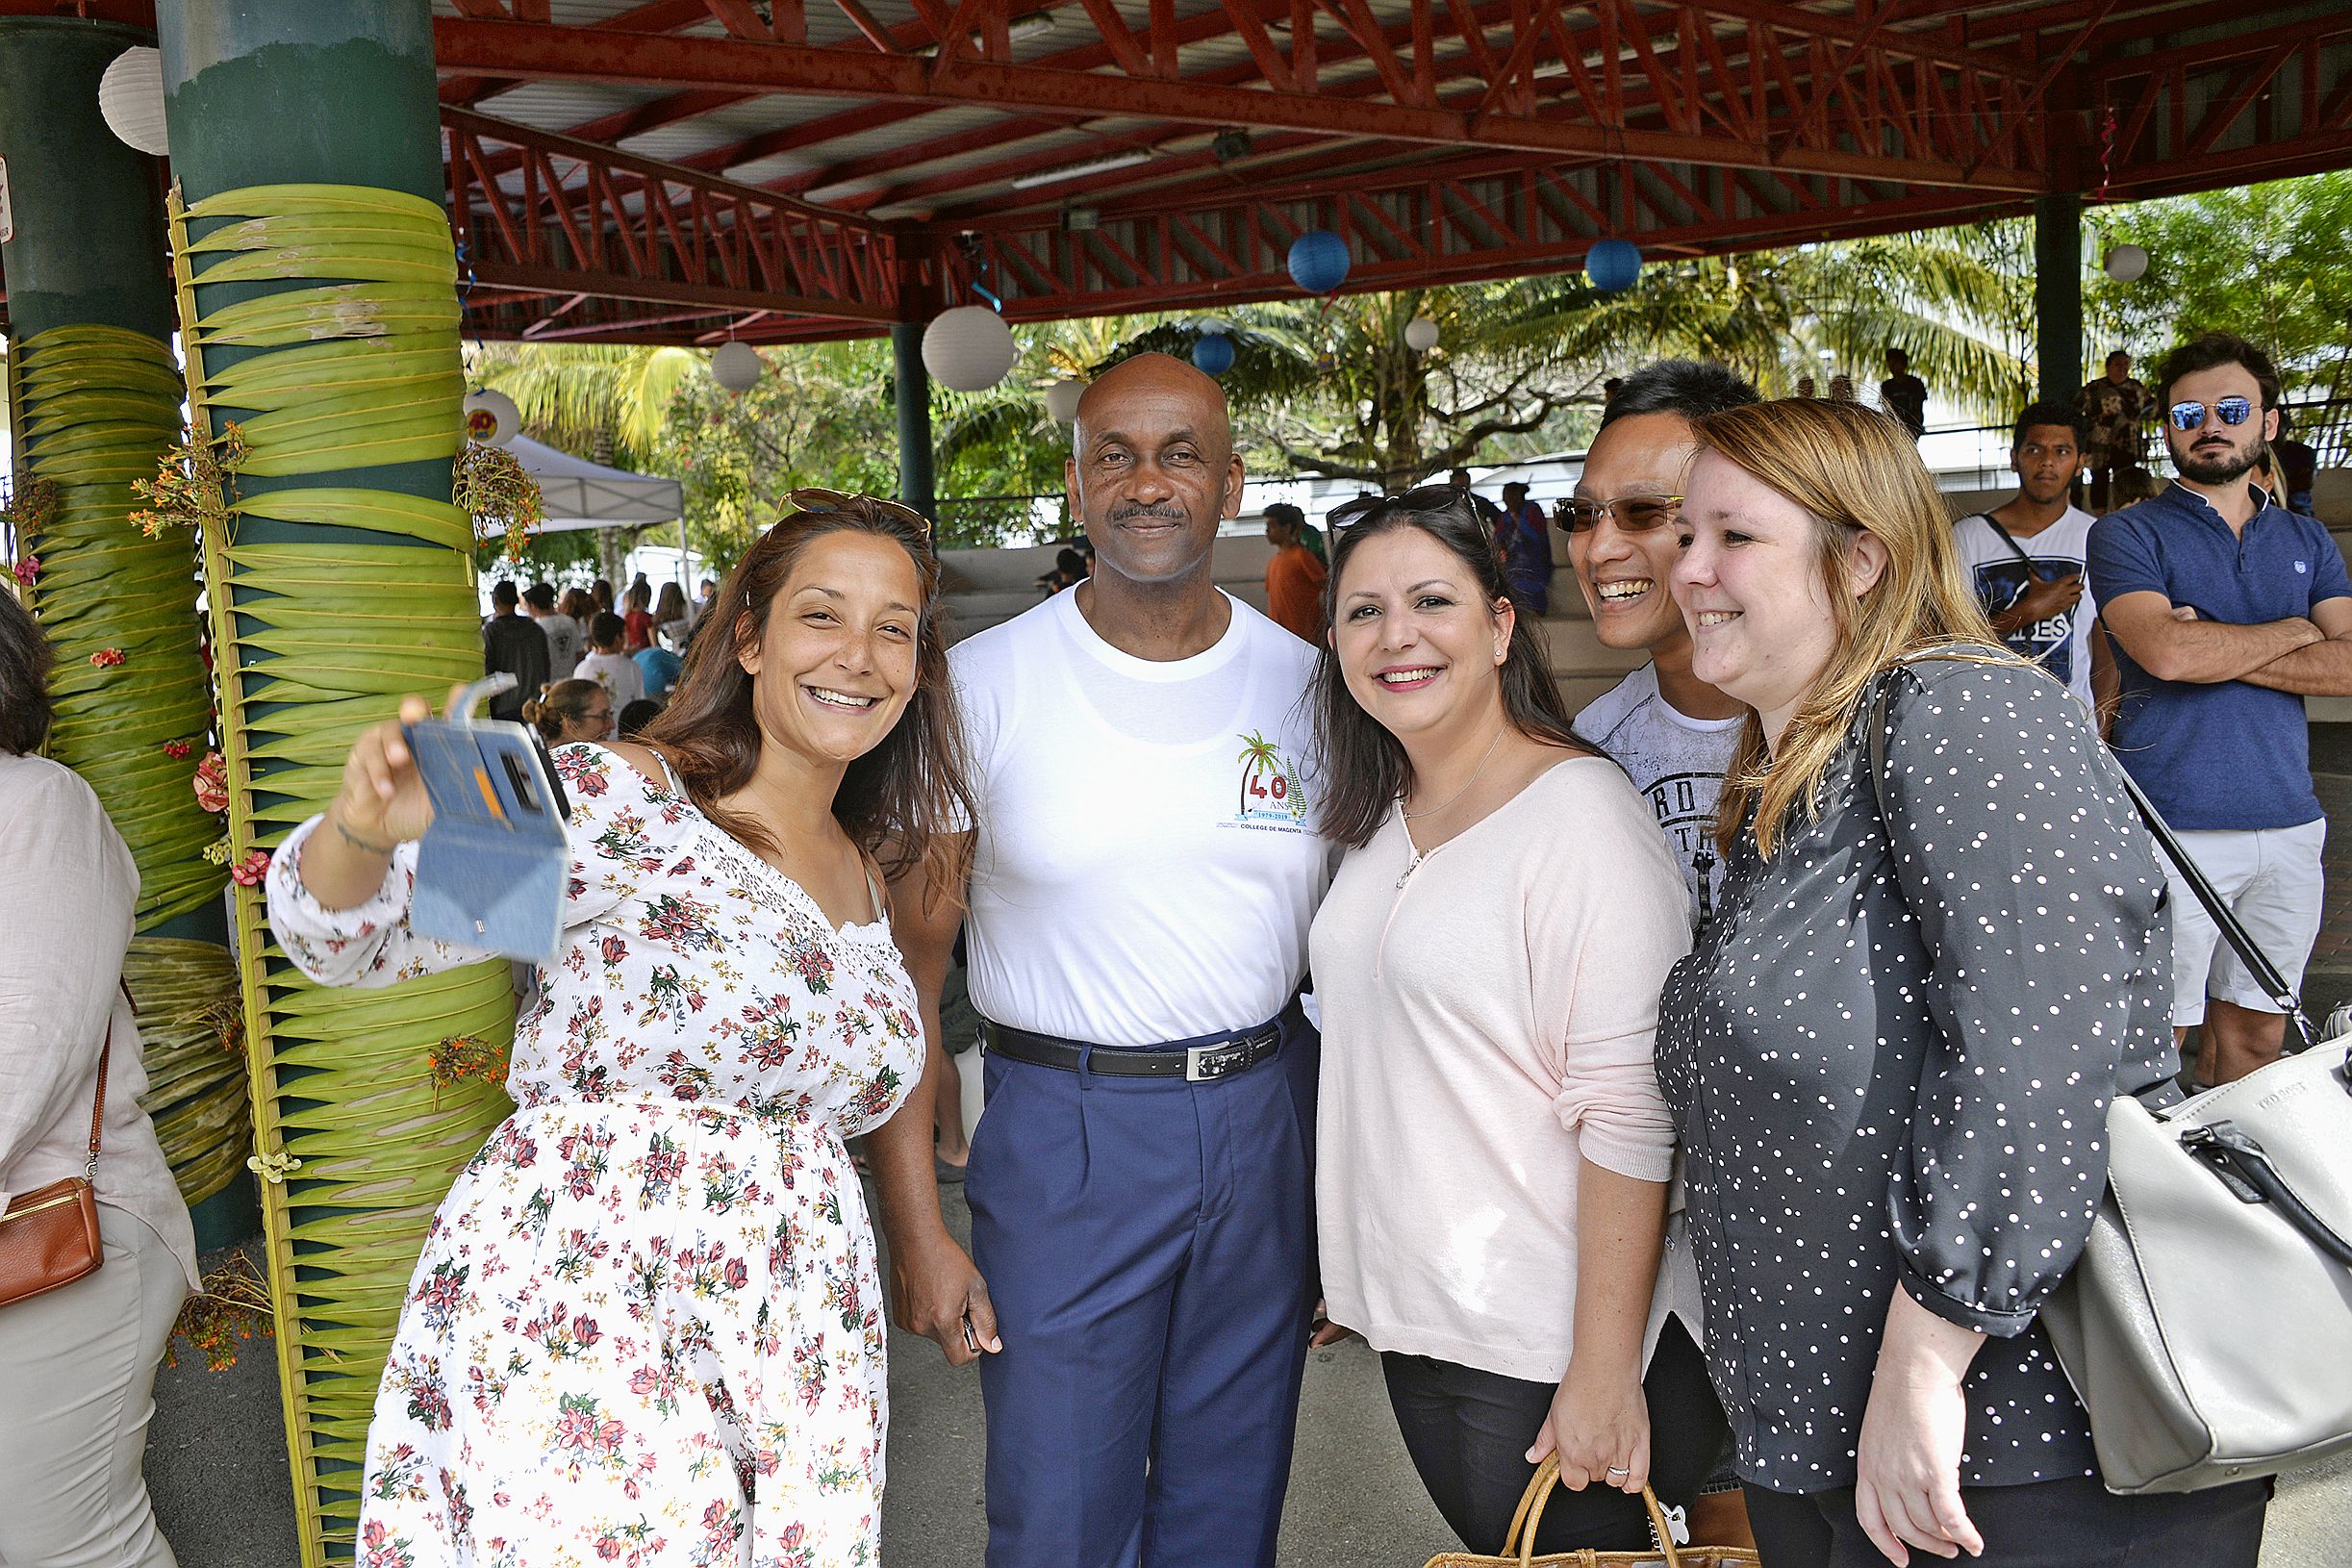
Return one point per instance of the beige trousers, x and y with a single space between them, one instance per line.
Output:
77 1385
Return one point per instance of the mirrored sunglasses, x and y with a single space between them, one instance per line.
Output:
1636 514
2187 417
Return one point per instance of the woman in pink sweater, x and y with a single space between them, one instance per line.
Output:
1493 1154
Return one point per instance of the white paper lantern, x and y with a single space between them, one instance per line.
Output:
492 416
131 98
2127 264
1062 399
1421 335
968 348
737 367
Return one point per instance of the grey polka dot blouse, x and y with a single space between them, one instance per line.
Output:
1889 1060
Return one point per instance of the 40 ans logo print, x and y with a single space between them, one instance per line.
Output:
1270 791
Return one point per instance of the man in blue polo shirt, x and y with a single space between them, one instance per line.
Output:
2225 612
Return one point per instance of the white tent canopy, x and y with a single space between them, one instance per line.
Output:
582 495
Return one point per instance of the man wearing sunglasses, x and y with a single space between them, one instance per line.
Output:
2225 611
1145 868
1671 731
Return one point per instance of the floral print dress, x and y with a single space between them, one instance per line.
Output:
646 1327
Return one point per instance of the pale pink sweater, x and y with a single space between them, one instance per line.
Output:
1483 1024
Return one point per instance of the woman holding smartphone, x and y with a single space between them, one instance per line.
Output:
647 1320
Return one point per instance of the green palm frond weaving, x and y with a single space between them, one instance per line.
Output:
326 332
94 406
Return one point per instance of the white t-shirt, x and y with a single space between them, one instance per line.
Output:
617 673
1147 865
2061 642
1677 762
565 641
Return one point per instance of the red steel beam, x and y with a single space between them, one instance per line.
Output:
581 54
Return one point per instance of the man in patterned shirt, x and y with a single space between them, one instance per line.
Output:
2114 406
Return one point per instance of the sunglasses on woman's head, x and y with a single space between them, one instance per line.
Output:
816 499
1425 498
2187 417
1636 514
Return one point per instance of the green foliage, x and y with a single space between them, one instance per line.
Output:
2265 261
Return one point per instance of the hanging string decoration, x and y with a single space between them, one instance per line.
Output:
1421 335
737 367
968 348
1213 353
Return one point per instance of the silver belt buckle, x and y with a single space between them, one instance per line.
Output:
1203 1064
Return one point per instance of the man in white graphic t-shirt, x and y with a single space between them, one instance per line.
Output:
1145 866
1671 731
2025 556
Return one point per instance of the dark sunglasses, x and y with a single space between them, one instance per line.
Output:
816 499
2187 417
1636 514
1424 498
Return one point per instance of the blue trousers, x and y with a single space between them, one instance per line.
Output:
1150 1247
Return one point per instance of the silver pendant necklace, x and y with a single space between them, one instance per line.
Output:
1419 855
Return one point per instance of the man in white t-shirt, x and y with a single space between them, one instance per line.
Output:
607 665
564 635
1671 731
2025 556
1144 869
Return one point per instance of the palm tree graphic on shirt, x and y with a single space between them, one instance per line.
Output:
1264 775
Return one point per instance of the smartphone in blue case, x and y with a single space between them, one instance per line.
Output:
489 871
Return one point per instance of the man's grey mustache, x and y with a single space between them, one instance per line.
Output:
1168 513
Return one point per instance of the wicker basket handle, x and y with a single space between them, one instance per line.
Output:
1530 1513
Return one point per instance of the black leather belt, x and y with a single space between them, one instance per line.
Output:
1194 1064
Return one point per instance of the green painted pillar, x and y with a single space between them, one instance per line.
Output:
912 382
89 247
87 251
2058 295
317 303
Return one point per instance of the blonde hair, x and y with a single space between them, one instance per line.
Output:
1856 472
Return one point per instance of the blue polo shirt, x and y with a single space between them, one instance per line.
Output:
2226 754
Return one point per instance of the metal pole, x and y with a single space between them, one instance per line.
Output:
916 486
2058 295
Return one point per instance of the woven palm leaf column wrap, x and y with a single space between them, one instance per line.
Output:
92 408
322 321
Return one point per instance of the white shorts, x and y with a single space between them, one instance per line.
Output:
2271 879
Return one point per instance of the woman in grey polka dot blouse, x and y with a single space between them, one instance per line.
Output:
1889 1059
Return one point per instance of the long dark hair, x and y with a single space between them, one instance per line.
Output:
24 679
1364 767
906 801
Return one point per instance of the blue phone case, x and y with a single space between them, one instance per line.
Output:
489 871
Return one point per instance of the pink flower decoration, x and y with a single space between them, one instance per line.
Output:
107 658
27 569
178 751
212 783
249 871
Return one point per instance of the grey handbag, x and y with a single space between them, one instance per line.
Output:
2208 1327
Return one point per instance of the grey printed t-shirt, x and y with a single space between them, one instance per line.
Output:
1678 764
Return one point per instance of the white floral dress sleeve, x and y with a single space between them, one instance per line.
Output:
372 943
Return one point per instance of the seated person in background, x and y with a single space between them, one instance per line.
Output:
568 710
2024 558
607 665
1070 568
1294 576
660 669
636 715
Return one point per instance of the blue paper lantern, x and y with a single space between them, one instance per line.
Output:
1319 261
1213 352
1612 264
